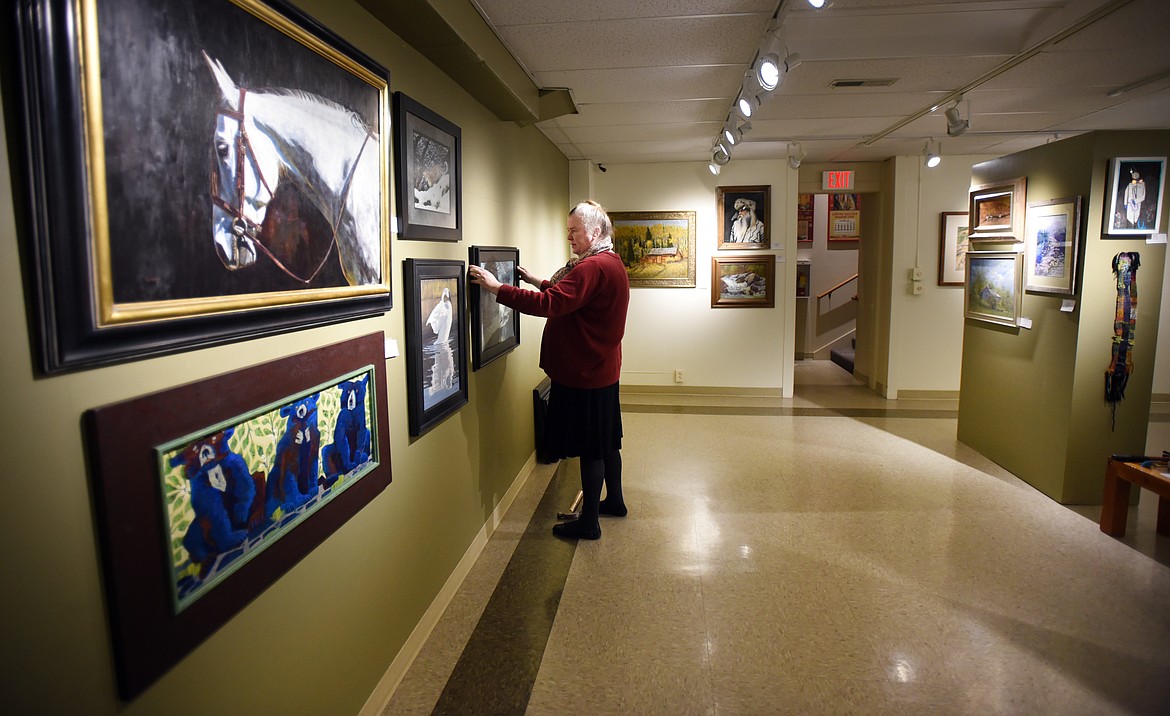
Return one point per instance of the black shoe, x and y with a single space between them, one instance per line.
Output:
606 508
573 529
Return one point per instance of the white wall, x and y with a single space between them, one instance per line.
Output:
676 328
926 330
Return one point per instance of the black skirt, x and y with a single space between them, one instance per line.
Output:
583 422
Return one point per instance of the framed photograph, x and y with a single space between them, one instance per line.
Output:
996 212
1136 186
952 248
803 279
744 213
1050 250
743 281
208 492
804 218
495 328
428 167
657 247
993 287
154 223
436 341
844 217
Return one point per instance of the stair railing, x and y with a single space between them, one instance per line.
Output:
840 285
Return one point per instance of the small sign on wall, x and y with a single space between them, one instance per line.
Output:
839 180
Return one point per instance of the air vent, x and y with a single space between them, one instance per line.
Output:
863 83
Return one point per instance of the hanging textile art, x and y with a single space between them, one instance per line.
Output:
1125 266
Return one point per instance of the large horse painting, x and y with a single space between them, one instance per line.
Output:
223 175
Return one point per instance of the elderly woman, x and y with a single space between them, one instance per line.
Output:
585 303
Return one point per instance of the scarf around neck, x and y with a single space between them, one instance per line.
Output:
605 244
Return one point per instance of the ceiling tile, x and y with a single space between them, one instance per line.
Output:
521 12
643 84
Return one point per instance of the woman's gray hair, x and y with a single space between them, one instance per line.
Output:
593 216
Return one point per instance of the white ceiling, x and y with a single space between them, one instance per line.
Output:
654 80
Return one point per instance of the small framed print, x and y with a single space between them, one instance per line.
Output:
1135 196
495 328
744 213
993 287
743 281
996 211
952 248
428 153
436 341
1050 249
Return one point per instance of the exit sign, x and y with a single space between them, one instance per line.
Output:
841 180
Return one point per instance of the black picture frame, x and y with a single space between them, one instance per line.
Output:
123 441
428 154
118 166
495 329
436 369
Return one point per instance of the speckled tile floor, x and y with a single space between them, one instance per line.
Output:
787 561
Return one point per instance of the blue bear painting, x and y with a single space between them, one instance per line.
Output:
293 479
351 436
226 498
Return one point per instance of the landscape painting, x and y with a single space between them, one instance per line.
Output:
657 247
993 286
1053 238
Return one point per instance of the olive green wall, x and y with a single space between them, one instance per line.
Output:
1033 400
320 638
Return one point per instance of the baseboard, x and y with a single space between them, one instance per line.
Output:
1160 398
701 390
928 395
384 691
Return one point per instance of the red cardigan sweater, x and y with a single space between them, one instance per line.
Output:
586 311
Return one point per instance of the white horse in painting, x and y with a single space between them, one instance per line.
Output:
263 137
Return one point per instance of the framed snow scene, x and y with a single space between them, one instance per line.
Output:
743 281
495 328
207 493
436 341
179 187
1053 236
428 165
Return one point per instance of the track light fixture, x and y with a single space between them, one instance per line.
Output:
720 154
956 125
820 4
930 155
795 155
714 168
734 134
747 104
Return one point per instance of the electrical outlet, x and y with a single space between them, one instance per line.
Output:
678 375
918 288
916 274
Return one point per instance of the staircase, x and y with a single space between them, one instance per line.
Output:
844 357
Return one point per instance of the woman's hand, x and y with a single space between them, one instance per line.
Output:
528 277
482 277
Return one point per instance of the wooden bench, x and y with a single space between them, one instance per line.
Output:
1119 475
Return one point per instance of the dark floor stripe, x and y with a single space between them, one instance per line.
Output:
791 412
498 667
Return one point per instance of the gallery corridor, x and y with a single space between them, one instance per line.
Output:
834 553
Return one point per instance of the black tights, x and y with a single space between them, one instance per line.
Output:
596 472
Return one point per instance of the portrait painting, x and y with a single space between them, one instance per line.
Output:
657 247
436 336
1136 186
428 169
193 176
495 328
744 213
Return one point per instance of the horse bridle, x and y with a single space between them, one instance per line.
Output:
241 224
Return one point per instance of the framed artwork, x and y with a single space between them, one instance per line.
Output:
1053 234
744 213
844 217
154 223
428 170
1136 186
996 211
495 328
436 341
952 248
743 281
208 492
803 279
804 218
993 287
657 247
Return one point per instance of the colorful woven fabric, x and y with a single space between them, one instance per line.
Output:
1125 266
